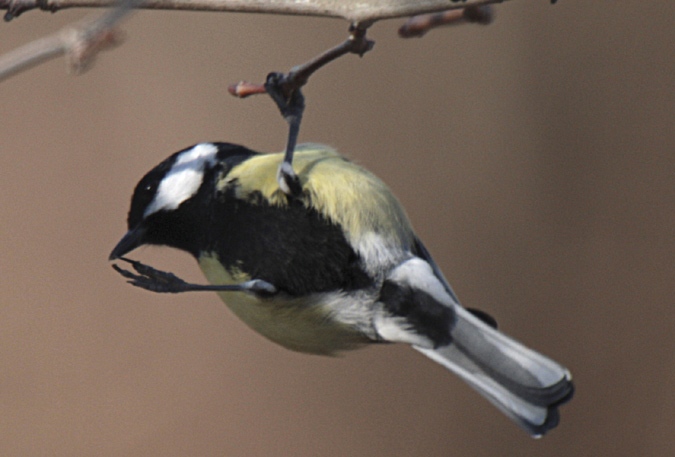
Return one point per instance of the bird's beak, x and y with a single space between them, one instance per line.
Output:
133 239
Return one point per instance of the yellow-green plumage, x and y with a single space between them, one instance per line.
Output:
335 187
299 324
371 217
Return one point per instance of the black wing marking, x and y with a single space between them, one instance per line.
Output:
422 252
485 317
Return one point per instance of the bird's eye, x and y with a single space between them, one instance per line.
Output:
149 190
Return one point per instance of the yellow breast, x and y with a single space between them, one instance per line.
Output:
301 324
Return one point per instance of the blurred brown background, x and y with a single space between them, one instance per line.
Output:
535 158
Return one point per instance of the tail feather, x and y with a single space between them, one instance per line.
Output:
525 385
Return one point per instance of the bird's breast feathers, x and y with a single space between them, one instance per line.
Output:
321 323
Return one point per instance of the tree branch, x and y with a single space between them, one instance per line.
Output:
79 42
357 43
353 11
418 26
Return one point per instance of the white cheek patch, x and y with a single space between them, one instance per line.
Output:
184 178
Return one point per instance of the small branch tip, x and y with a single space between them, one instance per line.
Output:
418 26
245 89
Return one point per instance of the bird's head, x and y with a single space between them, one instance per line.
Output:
171 200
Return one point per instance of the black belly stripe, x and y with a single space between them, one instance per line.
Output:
293 247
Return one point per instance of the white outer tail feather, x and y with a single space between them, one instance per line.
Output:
515 408
505 372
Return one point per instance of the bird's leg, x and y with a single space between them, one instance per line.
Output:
149 278
284 89
291 103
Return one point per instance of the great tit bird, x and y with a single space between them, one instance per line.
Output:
330 268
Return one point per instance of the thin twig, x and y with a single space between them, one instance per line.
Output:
245 89
79 42
357 43
31 54
418 26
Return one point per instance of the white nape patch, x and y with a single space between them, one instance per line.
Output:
418 274
184 178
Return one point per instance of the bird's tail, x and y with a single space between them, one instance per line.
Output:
528 387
